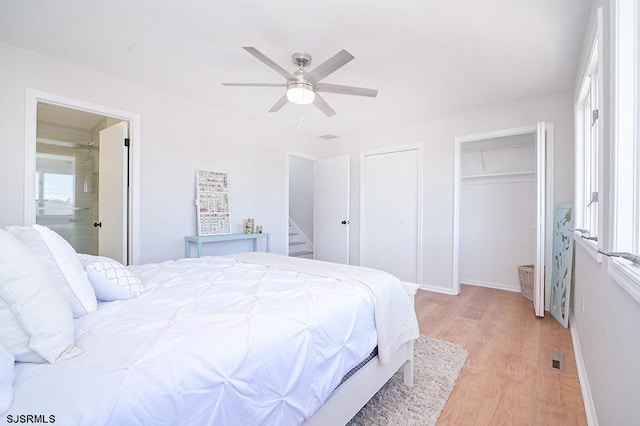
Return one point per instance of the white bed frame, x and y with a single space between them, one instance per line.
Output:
358 389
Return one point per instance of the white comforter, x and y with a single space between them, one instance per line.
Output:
394 314
211 341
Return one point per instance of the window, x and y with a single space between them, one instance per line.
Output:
626 145
55 184
588 164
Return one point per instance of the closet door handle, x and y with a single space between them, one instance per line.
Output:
344 222
97 224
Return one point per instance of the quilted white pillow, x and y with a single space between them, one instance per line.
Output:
36 323
6 379
63 264
110 279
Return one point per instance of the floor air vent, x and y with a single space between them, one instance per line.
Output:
556 361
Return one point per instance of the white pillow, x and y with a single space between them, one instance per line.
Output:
36 323
63 264
6 379
110 279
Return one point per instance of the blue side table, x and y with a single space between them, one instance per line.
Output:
188 240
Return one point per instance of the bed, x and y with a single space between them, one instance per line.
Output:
250 338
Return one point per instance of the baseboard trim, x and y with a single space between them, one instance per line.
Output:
437 289
497 286
587 398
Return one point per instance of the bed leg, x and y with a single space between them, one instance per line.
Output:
407 368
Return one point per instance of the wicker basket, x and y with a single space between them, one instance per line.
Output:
526 275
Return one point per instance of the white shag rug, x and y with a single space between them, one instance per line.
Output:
437 367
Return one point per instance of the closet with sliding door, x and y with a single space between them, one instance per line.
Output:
498 205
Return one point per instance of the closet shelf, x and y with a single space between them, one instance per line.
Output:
493 175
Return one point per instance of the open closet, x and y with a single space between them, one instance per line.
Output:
501 208
497 210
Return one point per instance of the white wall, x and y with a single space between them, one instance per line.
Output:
178 136
497 232
301 194
607 330
438 138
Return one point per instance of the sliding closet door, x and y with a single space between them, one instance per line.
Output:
390 212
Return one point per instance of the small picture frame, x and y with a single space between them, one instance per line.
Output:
248 228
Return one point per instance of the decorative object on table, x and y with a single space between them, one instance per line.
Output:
212 190
560 289
248 227
259 229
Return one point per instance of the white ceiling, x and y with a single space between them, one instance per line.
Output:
425 57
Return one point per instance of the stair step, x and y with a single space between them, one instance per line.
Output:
301 253
291 234
296 243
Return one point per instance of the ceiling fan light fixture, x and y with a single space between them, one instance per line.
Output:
301 93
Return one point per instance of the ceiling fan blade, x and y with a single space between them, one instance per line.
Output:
323 106
268 62
330 65
281 102
346 90
255 84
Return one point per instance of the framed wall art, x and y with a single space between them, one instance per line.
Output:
212 202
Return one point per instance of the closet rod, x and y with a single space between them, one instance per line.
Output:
496 148
505 174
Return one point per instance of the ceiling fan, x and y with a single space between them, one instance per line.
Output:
303 86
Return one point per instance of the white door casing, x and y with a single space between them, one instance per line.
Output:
331 209
32 97
391 200
112 194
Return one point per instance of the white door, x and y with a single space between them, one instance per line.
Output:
112 198
331 210
541 152
390 213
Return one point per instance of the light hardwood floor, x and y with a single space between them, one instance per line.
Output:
506 379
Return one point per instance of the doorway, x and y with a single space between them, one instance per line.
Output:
71 164
301 201
318 198
501 187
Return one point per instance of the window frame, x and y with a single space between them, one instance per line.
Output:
625 147
589 151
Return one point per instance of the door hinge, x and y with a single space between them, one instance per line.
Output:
127 142
594 117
